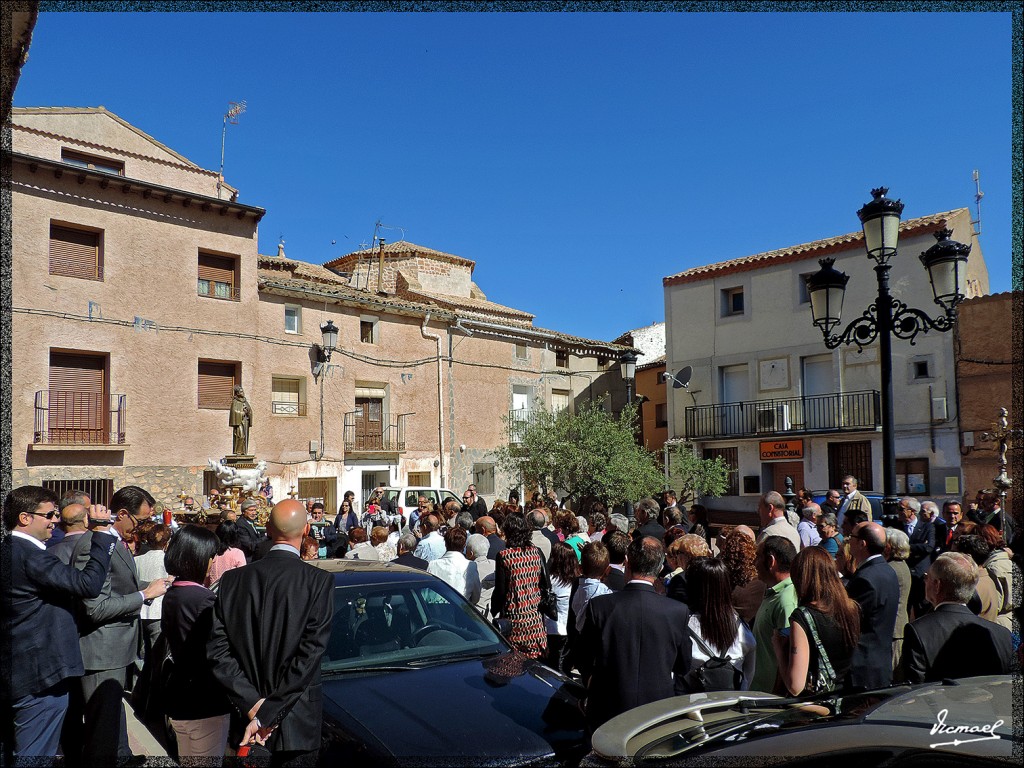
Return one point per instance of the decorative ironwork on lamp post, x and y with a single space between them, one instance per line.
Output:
946 262
1004 436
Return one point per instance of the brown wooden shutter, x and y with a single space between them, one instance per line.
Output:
216 385
75 253
76 412
217 269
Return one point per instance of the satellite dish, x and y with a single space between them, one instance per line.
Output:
682 378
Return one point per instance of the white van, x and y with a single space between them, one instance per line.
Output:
406 499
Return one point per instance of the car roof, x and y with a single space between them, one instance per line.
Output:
358 572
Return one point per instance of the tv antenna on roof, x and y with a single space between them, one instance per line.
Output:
977 201
236 108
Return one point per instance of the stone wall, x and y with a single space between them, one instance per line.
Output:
165 483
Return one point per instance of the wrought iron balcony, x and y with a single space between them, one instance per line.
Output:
67 417
287 408
364 433
842 412
518 421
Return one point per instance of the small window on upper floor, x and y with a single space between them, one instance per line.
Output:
801 284
520 351
369 330
218 276
76 252
732 302
561 359
921 369
292 318
92 162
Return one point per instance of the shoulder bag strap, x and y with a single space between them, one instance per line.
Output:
823 659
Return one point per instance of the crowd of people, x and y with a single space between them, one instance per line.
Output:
821 597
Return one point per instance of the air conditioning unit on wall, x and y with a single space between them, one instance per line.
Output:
773 417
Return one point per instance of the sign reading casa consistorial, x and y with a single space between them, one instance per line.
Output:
774 450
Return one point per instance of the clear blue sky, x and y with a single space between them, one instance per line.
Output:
578 158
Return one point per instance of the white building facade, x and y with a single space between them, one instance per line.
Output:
768 396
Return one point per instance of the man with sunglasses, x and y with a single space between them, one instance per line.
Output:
39 638
110 630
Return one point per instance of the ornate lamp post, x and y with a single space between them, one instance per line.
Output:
1004 436
946 262
627 367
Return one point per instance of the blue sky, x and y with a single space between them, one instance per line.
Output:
578 158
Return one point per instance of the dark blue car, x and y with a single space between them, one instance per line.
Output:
413 675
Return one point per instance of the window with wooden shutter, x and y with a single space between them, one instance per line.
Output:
218 276
216 384
75 253
76 411
288 397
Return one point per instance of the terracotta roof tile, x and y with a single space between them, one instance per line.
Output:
804 251
276 266
400 247
463 302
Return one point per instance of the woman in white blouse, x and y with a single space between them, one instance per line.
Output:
716 627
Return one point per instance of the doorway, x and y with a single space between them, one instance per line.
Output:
779 472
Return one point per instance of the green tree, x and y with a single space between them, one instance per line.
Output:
587 453
694 476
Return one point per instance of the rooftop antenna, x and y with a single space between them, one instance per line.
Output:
977 202
236 108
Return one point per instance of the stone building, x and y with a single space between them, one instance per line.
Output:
773 401
140 301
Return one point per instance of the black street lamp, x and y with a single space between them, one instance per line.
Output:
946 262
627 367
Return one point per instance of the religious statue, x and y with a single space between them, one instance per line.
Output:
240 420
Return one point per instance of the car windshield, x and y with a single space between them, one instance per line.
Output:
404 625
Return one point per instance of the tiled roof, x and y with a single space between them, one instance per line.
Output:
344 294
403 248
457 303
816 249
660 360
277 266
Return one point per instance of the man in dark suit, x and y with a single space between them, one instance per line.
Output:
876 589
617 543
473 504
952 642
486 526
271 625
110 631
635 647
647 520
407 544
38 639
249 539
921 533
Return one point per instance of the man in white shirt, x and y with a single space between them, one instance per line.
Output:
431 546
453 567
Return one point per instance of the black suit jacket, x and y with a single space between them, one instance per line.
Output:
39 639
496 544
922 547
952 642
410 560
652 529
248 537
615 579
271 624
876 589
632 645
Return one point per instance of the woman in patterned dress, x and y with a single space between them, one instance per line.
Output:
516 595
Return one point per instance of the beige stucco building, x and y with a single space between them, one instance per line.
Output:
139 301
772 400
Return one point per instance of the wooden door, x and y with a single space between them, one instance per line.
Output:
781 469
369 424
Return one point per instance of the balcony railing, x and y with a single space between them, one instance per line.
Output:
386 435
843 412
66 417
216 290
518 421
286 408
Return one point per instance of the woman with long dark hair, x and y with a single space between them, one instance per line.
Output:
516 595
717 630
824 628
563 570
193 700
229 553
699 523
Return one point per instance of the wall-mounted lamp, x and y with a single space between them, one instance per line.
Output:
329 332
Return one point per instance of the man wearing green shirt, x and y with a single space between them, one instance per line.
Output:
775 554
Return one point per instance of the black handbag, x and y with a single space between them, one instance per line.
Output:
548 599
715 674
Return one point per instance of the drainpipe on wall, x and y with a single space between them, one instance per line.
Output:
440 399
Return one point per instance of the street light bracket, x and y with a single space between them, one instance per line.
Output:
907 322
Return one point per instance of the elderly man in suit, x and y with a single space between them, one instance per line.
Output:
852 500
921 533
271 624
876 589
249 539
952 642
634 645
39 638
110 633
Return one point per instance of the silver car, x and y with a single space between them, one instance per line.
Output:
957 722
